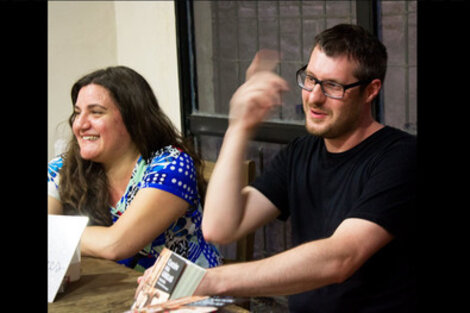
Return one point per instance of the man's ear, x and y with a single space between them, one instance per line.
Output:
372 90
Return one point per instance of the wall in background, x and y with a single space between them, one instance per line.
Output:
88 35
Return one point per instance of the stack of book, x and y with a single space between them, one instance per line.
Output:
168 286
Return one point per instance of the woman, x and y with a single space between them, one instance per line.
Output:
128 169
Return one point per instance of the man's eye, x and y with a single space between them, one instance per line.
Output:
310 80
332 85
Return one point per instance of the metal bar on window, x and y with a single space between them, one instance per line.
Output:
269 131
186 64
367 17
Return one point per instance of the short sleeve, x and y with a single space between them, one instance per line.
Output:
174 173
53 168
273 183
389 196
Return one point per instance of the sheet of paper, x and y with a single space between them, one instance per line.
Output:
64 233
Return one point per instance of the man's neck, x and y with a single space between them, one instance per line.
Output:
352 139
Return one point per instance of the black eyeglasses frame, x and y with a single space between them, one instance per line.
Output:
317 81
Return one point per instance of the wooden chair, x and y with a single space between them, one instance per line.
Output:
245 245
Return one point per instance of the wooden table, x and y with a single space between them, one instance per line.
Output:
104 287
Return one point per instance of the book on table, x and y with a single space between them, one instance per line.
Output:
168 286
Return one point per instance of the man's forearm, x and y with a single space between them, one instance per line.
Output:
224 203
306 267
303 268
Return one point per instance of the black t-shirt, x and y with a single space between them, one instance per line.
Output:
375 181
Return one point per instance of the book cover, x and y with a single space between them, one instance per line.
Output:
171 277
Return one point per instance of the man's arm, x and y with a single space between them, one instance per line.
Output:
231 211
306 267
228 213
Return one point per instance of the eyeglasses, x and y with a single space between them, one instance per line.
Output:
330 89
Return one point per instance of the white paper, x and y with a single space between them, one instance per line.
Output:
64 233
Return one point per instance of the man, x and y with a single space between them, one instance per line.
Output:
349 187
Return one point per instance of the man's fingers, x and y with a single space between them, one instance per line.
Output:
264 60
141 282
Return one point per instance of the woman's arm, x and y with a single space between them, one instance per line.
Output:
54 206
149 214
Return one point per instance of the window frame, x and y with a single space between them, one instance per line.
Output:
195 124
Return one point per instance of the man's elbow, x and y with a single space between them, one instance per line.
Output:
343 270
213 235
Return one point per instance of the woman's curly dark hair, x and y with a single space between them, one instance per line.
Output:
83 184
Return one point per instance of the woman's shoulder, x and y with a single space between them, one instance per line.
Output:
169 154
56 161
54 165
53 169
173 170
171 159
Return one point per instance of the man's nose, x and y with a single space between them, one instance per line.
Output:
316 95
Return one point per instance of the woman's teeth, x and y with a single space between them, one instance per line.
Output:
90 137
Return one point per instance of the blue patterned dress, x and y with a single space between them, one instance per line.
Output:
173 171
